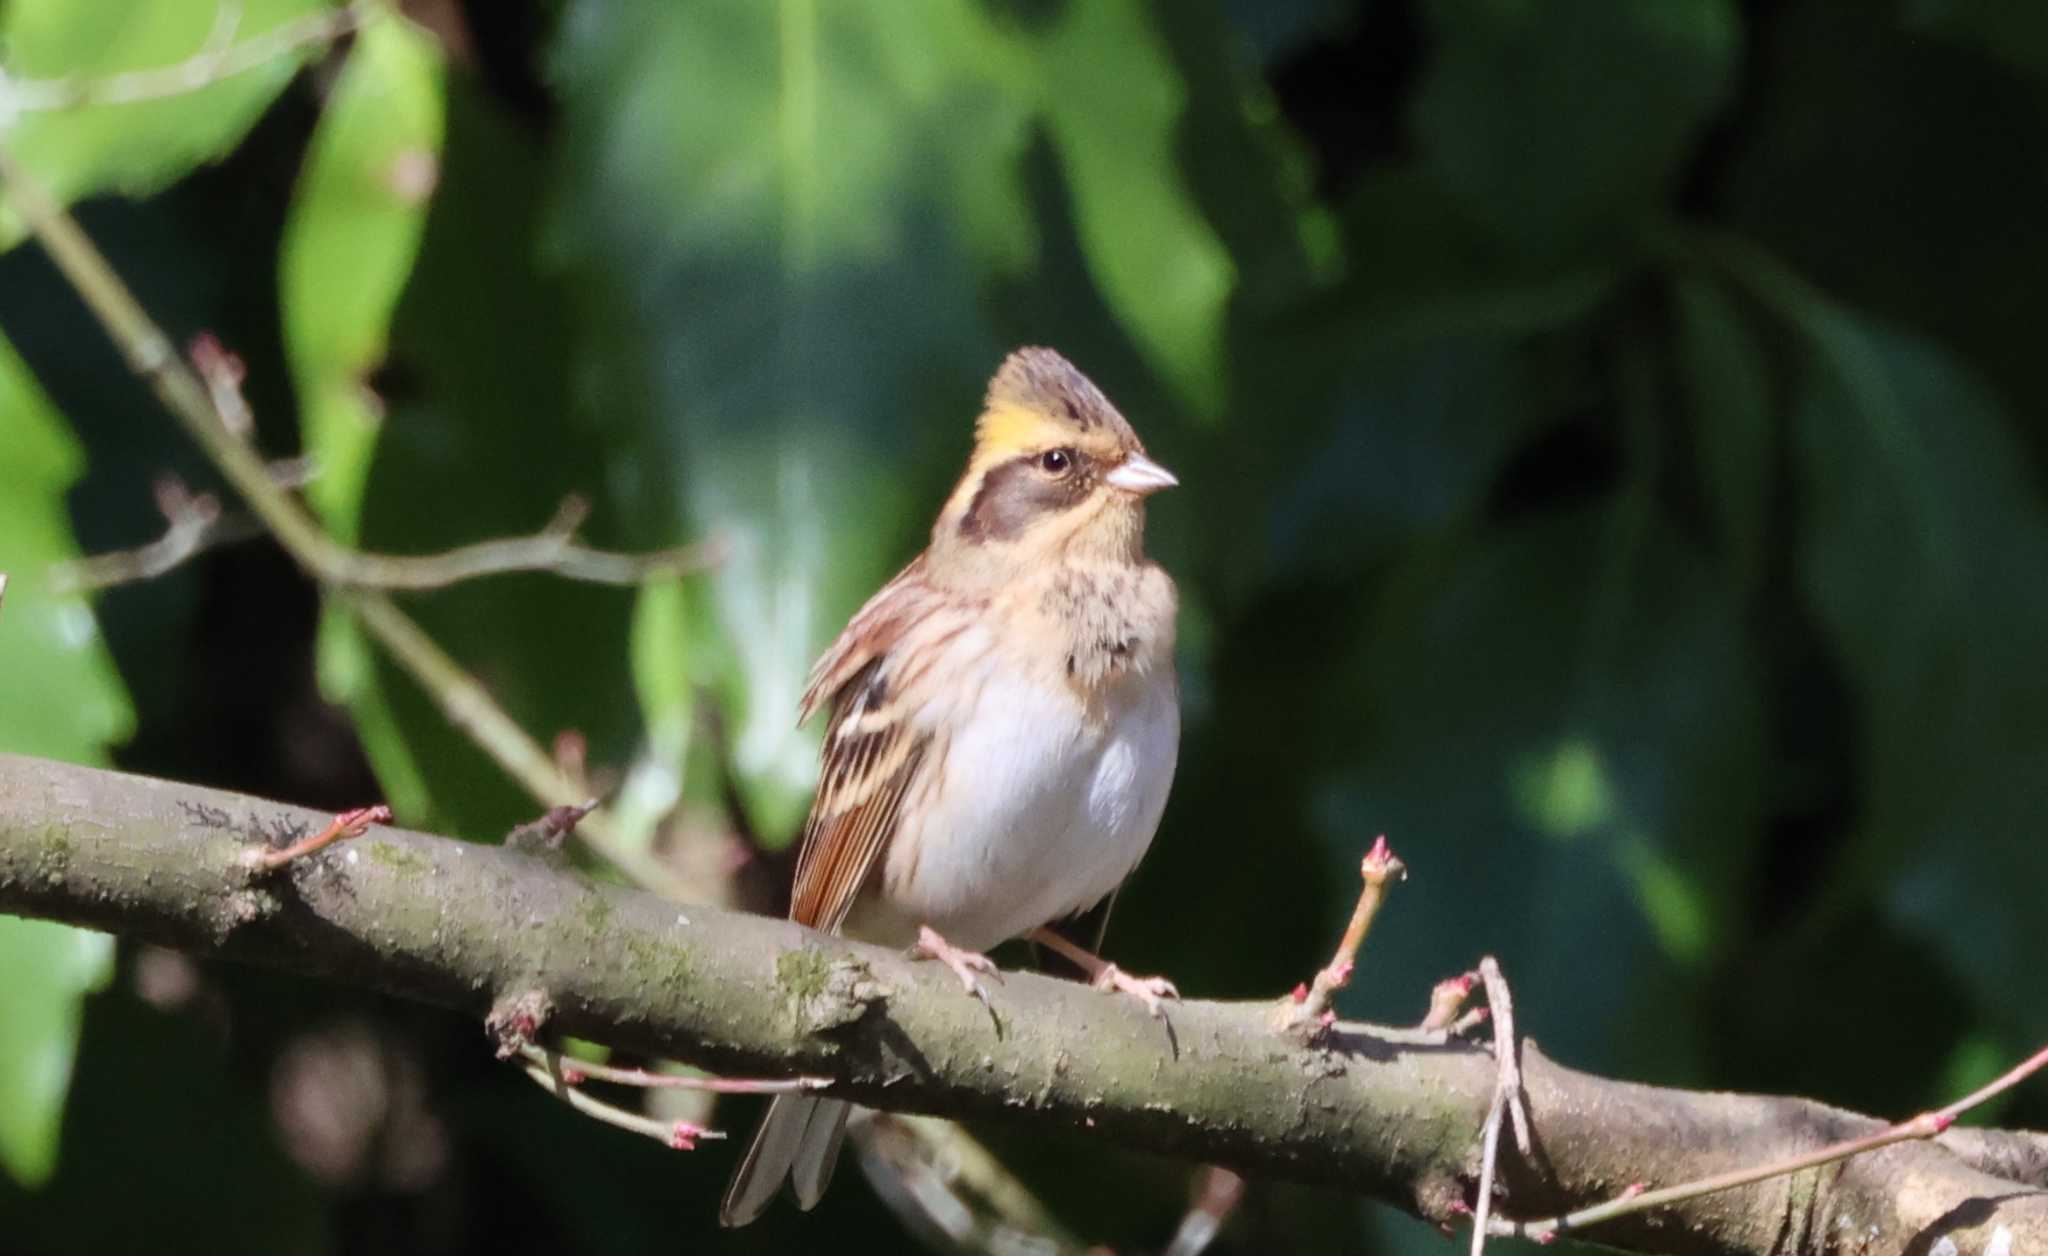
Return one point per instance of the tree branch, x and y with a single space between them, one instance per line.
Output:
1394 1114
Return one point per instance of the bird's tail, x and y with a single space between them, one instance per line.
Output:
798 1139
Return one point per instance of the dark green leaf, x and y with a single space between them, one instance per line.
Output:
1552 121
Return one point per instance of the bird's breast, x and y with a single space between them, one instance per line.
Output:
1040 805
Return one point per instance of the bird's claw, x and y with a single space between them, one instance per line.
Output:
1151 991
968 966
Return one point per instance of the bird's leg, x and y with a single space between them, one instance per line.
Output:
1104 975
966 965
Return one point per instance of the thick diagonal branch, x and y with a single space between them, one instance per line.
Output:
1388 1113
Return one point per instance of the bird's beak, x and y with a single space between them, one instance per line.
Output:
1139 475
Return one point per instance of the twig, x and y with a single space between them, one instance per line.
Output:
680 1135
197 402
574 1072
1507 1097
1507 1051
216 60
1309 1005
1446 1000
1926 1126
193 523
341 828
468 706
202 393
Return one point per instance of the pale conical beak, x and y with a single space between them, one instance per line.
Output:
1140 475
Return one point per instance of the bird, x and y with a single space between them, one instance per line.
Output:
1003 721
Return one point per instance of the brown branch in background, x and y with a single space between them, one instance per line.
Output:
1218 1192
1309 1006
942 1182
193 523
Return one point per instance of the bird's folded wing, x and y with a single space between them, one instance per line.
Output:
870 766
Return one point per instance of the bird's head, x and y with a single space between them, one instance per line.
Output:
1056 471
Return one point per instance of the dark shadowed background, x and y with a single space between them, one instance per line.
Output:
1611 436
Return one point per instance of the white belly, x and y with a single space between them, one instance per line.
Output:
1035 815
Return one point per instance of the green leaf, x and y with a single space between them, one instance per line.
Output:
481 441
1731 407
1560 719
59 697
1521 111
2014 33
46 970
776 213
1112 101
357 216
356 219
57 47
1923 540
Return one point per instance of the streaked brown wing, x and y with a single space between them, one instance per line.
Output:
870 766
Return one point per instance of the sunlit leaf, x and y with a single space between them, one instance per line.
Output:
355 225
57 49
59 697
357 215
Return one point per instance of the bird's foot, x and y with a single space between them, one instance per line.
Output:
1151 991
1103 975
968 966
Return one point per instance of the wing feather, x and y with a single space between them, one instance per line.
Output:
873 756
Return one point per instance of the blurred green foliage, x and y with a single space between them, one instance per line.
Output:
1612 448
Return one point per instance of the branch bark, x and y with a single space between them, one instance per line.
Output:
1394 1114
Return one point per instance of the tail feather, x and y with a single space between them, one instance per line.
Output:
798 1139
819 1153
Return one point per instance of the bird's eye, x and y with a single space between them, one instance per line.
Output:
1056 461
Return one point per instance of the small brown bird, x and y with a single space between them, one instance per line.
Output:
1003 723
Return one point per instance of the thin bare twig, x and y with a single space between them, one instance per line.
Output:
468 706
1508 1096
217 59
573 1072
1926 1126
193 523
1309 1006
192 392
1507 1051
202 394
680 1135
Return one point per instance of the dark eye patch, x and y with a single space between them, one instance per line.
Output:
1014 493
